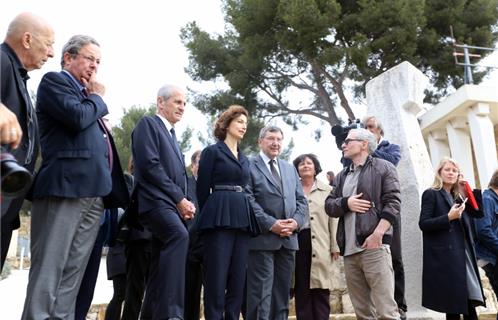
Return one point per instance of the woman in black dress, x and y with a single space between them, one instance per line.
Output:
226 220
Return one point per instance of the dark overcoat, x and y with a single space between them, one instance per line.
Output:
444 285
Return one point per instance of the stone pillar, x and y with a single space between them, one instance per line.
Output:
483 138
460 147
395 98
438 146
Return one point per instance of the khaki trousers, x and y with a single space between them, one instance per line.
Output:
370 281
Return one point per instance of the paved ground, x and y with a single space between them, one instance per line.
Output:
13 291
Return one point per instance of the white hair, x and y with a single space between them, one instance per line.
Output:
365 135
167 90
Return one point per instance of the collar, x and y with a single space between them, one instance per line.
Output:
352 167
168 125
77 82
17 63
492 193
266 159
320 185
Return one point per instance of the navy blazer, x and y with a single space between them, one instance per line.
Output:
75 154
270 203
444 285
224 208
159 170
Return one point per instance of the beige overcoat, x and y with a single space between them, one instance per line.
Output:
323 243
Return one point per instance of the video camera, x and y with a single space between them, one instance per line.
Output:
15 179
340 133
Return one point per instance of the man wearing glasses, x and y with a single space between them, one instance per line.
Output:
366 199
391 152
27 46
80 176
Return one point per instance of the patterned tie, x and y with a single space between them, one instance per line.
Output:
275 174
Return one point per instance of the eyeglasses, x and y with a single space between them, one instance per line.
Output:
90 59
347 141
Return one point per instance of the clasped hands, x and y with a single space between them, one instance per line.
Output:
186 209
284 227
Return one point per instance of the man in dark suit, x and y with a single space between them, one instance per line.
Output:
280 207
27 46
193 271
161 183
80 175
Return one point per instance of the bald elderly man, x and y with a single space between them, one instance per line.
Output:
27 46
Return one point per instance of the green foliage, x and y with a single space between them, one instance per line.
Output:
286 153
185 139
273 47
122 132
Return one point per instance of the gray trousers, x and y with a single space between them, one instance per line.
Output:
370 281
63 231
269 276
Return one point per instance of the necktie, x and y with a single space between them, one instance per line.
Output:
275 174
175 141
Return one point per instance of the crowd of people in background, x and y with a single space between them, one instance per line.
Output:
250 232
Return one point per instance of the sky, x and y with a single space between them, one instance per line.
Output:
141 50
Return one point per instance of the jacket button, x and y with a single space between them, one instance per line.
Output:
314 255
312 237
311 218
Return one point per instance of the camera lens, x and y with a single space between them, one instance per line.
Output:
15 182
15 178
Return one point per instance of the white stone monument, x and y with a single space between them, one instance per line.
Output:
395 98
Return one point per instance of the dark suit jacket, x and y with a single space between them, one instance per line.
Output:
74 148
159 170
223 208
444 285
15 96
270 203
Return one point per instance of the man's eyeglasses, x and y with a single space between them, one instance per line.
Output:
347 141
90 59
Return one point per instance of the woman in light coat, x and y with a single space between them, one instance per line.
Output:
317 246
